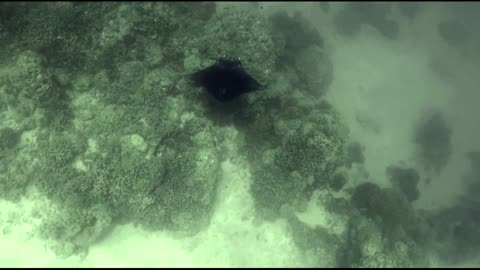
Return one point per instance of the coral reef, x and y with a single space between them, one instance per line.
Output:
355 154
456 228
406 180
433 139
303 54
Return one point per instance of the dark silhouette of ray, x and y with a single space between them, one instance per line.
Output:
225 80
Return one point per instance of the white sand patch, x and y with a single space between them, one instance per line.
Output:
20 246
317 215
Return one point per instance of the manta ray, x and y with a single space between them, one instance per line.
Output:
225 80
